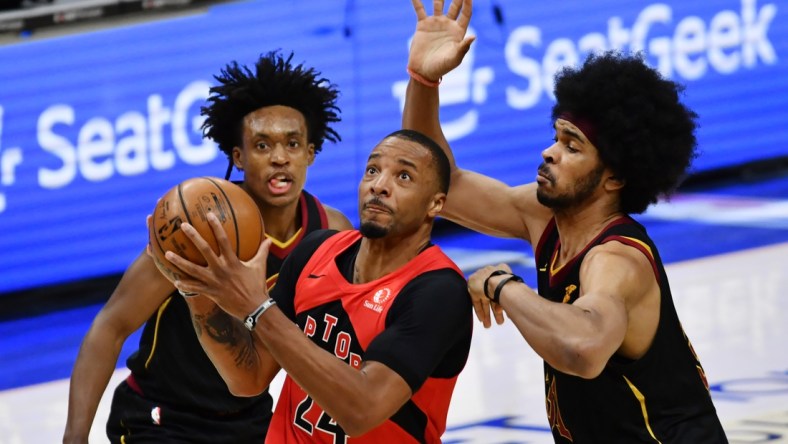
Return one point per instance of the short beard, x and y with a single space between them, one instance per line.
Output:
583 189
372 231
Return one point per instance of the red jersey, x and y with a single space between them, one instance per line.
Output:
376 321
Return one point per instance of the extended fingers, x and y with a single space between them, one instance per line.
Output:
482 309
437 7
419 8
465 17
454 9
497 313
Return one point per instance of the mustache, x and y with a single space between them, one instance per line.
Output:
545 171
378 203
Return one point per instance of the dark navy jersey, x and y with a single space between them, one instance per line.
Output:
170 366
416 320
662 397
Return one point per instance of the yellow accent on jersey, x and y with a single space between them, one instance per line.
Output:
287 243
156 330
642 244
642 400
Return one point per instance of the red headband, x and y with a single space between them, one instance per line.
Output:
584 125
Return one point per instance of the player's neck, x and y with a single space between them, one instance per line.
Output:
281 223
379 257
579 226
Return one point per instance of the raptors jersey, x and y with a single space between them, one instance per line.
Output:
170 365
391 320
662 397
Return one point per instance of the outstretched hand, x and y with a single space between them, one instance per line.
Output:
439 43
238 287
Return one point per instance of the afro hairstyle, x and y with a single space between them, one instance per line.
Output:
644 134
274 81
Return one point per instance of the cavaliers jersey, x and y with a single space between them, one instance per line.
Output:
170 365
662 397
416 320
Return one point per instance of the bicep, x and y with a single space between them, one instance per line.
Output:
492 207
612 280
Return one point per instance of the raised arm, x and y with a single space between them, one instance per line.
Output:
141 290
475 201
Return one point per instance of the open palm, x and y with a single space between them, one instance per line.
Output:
439 43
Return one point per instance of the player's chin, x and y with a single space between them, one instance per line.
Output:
373 230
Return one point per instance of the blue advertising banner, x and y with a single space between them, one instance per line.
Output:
95 127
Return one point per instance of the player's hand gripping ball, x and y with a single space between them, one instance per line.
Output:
191 201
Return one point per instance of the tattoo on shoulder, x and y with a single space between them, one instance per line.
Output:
224 329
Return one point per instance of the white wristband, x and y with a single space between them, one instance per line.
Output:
251 320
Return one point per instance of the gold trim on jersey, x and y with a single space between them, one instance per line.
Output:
271 281
287 243
554 270
642 400
156 330
642 244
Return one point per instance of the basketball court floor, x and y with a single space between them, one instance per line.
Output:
726 254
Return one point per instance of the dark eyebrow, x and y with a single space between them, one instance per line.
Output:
268 135
571 133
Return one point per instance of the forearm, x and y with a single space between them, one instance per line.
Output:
232 349
562 334
347 394
421 113
92 371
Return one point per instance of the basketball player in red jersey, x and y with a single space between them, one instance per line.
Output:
618 366
271 121
392 307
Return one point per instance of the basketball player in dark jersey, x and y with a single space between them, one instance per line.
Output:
390 305
618 366
270 120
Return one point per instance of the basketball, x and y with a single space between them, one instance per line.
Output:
191 201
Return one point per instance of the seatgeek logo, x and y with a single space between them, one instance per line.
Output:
104 147
683 48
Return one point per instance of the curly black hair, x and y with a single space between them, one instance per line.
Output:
644 134
275 81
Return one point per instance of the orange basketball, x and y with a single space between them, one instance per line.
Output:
191 201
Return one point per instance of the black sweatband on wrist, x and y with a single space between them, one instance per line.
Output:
486 281
497 293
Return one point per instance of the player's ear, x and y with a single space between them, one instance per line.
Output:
613 183
238 159
436 205
311 153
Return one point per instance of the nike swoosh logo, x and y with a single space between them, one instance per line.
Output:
314 276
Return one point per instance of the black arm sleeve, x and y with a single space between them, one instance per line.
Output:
284 290
428 329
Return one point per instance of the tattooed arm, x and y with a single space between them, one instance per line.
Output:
242 361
